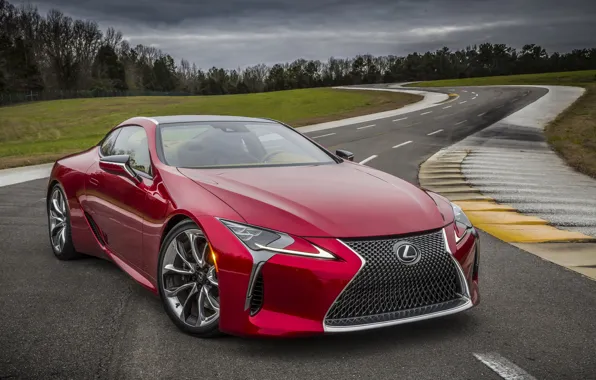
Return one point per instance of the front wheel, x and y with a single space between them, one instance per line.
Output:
59 225
187 280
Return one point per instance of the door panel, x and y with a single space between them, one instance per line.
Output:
117 204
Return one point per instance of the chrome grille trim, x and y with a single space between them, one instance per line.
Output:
457 305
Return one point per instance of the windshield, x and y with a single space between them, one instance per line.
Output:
231 143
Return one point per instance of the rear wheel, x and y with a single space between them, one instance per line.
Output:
59 225
187 280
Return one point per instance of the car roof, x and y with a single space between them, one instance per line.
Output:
205 118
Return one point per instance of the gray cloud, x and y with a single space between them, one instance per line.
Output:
231 33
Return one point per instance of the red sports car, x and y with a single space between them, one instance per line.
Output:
245 226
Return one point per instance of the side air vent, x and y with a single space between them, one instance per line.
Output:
95 229
256 300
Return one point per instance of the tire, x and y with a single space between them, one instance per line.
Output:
59 214
181 293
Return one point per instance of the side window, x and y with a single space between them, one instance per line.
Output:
133 141
107 147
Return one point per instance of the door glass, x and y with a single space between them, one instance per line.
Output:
133 141
107 147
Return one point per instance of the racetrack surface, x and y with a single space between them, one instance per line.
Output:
87 319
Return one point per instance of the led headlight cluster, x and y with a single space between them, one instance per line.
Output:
261 239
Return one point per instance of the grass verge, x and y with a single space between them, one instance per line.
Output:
573 133
40 132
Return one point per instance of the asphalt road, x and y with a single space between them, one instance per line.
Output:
87 319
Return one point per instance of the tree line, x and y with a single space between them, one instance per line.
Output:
59 56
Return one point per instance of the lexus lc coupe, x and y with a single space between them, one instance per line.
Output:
245 226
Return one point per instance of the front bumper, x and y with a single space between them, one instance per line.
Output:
293 296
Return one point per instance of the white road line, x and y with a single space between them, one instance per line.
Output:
328 134
474 97
461 122
499 106
465 101
447 107
402 144
452 90
403 118
432 133
464 91
368 159
366 126
503 367
426 113
481 114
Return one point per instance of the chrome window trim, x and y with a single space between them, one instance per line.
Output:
369 326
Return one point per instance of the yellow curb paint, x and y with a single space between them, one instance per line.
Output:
515 233
503 217
469 197
483 206
452 189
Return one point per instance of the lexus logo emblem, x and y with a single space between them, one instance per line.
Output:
406 252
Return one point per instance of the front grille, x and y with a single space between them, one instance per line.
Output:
386 289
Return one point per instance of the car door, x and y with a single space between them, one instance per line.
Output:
116 203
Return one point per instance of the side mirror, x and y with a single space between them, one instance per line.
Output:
345 154
120 165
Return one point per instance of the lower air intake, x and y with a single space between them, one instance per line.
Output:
256 299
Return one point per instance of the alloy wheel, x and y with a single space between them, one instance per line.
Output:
189 279
58 220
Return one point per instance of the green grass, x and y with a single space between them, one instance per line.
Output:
43 131
573 133
562 78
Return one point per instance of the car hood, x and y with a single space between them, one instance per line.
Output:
337 200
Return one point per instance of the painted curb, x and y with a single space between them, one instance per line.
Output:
13 176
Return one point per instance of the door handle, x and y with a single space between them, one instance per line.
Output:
93 181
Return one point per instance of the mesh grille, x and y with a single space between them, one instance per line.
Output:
386 289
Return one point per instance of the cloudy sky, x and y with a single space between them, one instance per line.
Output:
237 33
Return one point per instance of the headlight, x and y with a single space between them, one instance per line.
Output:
254 238
462 224
258 239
